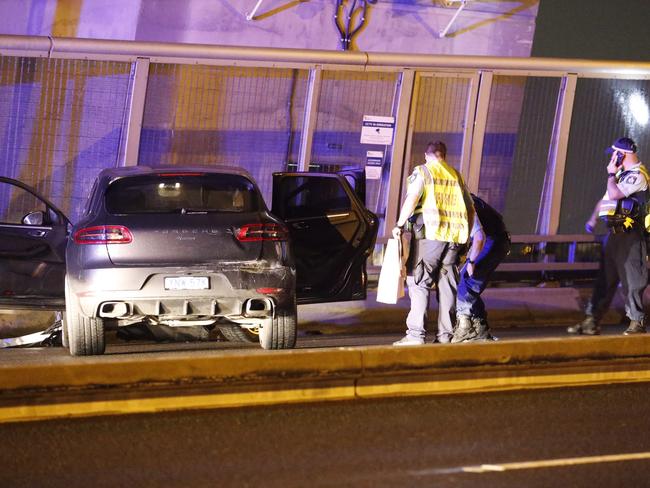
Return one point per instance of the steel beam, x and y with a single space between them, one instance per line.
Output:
397 161
310 117
104 49
548 220
478 134
130 145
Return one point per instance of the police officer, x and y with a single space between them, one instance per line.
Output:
624 249
439 209
490 244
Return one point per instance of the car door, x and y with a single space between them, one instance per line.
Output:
332 234
33 235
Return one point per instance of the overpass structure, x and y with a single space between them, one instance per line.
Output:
527 134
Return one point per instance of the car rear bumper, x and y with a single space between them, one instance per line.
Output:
235 292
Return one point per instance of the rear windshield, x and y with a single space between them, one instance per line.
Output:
178 193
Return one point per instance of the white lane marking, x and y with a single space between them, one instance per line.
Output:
547 463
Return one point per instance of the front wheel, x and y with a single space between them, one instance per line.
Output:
281 331
240 334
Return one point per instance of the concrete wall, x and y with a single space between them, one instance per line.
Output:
593 29
499 28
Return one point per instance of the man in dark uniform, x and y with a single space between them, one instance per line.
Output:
624 250
490 244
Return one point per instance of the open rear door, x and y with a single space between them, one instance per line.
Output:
332 234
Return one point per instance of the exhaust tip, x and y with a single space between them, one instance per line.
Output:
258 307
113 310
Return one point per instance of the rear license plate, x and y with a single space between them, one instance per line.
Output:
187 283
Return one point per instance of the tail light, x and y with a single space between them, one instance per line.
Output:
270 291
103 234
262 232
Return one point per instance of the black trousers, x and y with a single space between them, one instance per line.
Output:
623 260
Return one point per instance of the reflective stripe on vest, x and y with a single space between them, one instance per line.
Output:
443 205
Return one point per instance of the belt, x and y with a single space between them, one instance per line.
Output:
620 229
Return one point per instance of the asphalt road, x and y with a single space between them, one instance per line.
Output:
403 442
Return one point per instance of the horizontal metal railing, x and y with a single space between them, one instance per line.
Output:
101 49
546 261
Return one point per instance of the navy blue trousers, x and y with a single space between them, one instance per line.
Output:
469 301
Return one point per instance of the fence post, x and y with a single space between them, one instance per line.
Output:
130 146
548 220
478 134
309 121
402 114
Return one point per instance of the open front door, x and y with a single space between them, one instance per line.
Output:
332 235
33 235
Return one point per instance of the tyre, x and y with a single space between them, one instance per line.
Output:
85 335
240 334
64 332
281 332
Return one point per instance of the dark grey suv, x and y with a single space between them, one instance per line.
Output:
188 247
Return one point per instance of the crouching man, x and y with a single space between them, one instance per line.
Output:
490 243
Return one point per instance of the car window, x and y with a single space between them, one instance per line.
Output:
16 203
181 193
314 197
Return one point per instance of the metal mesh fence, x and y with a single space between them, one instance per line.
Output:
227 116
60 124
440 112
603 111
346 96
518 134
63 120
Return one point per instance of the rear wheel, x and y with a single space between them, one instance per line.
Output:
64 331
281 332
85 335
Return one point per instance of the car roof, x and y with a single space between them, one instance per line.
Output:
109 174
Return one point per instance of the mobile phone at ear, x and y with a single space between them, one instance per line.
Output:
619 158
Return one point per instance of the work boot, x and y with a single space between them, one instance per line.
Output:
464 330
636 327
482 329
587 327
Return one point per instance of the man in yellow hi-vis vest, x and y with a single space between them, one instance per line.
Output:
439 209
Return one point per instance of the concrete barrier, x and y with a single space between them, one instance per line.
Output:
117 385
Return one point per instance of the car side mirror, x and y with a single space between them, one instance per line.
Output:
34 218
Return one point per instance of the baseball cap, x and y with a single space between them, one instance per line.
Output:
623 144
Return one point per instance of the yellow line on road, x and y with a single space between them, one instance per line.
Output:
326 390
372 387
554 463
21 413
545 463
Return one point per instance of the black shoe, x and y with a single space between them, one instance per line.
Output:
587 327
636 327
